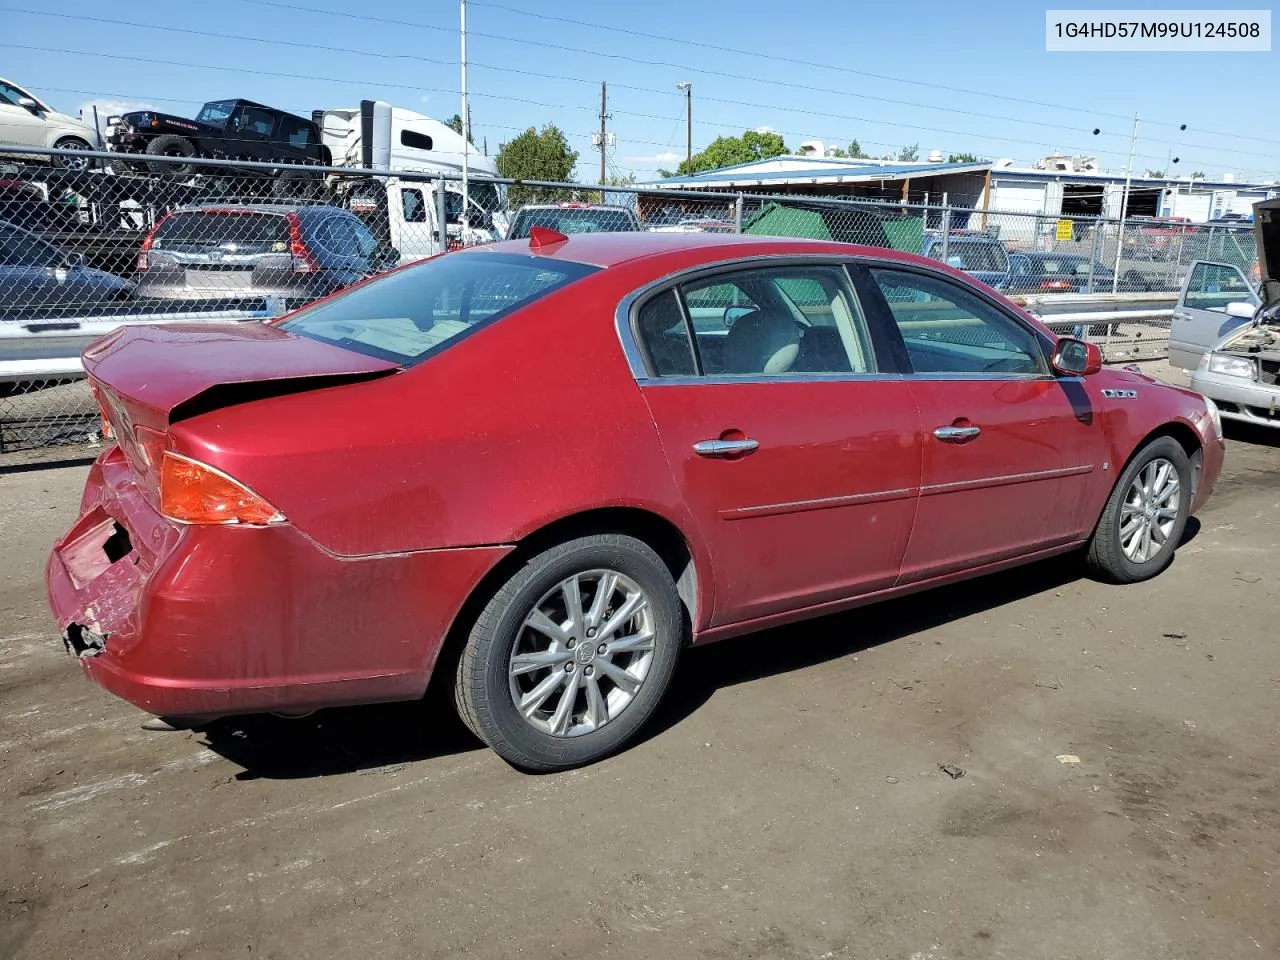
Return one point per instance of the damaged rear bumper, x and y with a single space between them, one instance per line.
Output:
204 621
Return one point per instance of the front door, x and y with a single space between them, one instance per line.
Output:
1200 318
799 462
21 126
1010 451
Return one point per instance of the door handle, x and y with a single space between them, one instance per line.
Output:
957 434
1181 315
725 448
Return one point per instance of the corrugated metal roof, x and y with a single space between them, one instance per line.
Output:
1096 177
818 170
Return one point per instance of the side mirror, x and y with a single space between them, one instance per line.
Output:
385 256
29 104
1075 358
1241 309
733 314
72 260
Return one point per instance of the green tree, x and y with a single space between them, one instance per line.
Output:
537 155
454 123
1198 175
856 152
727 151
965 158
909 154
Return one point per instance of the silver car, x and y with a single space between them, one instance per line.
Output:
1221 332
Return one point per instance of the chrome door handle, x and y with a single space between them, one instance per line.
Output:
956 434
724 448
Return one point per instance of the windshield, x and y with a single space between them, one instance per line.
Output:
215 114
571 220
407 315
483 197
246 232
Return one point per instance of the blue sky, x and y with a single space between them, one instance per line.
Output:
956 77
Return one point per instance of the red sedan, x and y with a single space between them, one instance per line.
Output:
549 465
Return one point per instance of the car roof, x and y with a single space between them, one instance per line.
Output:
573 206
612 249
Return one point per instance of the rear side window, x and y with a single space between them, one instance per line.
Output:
972 255
200 230
295 132
410 314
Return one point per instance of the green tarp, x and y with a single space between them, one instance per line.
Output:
814 221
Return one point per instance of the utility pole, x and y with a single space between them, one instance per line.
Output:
1124 205
466 131
687 87
604 136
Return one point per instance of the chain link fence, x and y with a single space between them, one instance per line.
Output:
91 240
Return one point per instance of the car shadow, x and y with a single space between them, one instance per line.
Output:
1252 433
704 670
340 740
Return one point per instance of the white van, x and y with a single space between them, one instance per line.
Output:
403 210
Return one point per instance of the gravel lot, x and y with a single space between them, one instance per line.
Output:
788 804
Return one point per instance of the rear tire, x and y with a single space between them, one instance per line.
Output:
171 145
611 652
1145 515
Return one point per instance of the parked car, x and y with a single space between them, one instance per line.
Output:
570 218
36 276
27 121
980 255
222 130
533 468
296 252
1041 272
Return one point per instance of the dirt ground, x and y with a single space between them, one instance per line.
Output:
787 803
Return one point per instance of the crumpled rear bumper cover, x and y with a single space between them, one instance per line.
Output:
214 620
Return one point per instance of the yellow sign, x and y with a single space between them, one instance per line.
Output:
1065 228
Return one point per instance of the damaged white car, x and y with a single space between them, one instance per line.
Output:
1230 341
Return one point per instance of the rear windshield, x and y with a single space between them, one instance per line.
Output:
973 256
408 315
249 232
571 220
1065 266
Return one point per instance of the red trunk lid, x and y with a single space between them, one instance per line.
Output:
161 374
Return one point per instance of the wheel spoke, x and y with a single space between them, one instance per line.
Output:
1144 544
571 589
1166 513
634 603
1130 525
1130 510
604 591
634 643
597 706
1131 545
619 676
1167 492
536 697
1158 535
564 709
546 626
528 662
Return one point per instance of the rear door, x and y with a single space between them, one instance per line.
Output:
796 448
1012 455
1200 317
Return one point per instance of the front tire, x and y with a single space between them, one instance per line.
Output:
72 163
572 654
1145 516
171 145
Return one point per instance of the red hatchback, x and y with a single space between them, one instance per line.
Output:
554 463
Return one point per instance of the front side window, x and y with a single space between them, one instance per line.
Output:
947 329
413 207
407 315
1212 286
767 321
18 249
10 95
256 121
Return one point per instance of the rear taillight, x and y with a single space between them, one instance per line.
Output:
1055 285
144 263
151 444
108 431
304 260
194 492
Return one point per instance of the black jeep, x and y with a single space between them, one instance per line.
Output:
222 130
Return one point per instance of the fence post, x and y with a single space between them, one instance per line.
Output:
442 212
1093 252
737 214
946 233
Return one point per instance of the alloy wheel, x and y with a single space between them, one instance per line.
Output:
582 654
1150 511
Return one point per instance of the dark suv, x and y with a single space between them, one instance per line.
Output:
222 130
293 252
